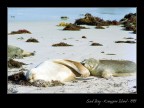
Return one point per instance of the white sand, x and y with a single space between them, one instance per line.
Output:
48 33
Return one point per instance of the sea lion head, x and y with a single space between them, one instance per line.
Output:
90 63
30 75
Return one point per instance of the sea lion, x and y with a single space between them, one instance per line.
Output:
109 68
67 70
58 69
16 52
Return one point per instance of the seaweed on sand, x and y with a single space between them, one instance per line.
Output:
20 79
96 44
61 44
99 27
15 64
132 42
21 31
32 40
74 27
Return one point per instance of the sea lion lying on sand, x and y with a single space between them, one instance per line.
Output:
67 70
16 52
109 68
61 70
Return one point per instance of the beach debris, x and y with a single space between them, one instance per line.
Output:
32 40
74 27
61 44
90 41
74 81
99 27
96 21
129 22
20 38
110 54
132 42
128 38
20 79
41 83
83 36
22 31
117 84
64 17
84 81
15 64
56 83
96 44
63 24
17 77
64 39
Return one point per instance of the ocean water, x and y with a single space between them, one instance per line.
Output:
54 14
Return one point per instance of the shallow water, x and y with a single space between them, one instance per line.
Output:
48 14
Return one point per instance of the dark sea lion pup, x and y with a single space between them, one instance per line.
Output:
16 52
109 68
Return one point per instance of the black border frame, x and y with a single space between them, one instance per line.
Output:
72 98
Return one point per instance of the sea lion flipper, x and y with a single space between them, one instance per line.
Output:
78 67
82 70
67 63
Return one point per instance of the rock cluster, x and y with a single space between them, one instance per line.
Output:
96 21
129 22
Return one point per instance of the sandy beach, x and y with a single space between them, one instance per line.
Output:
47 33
